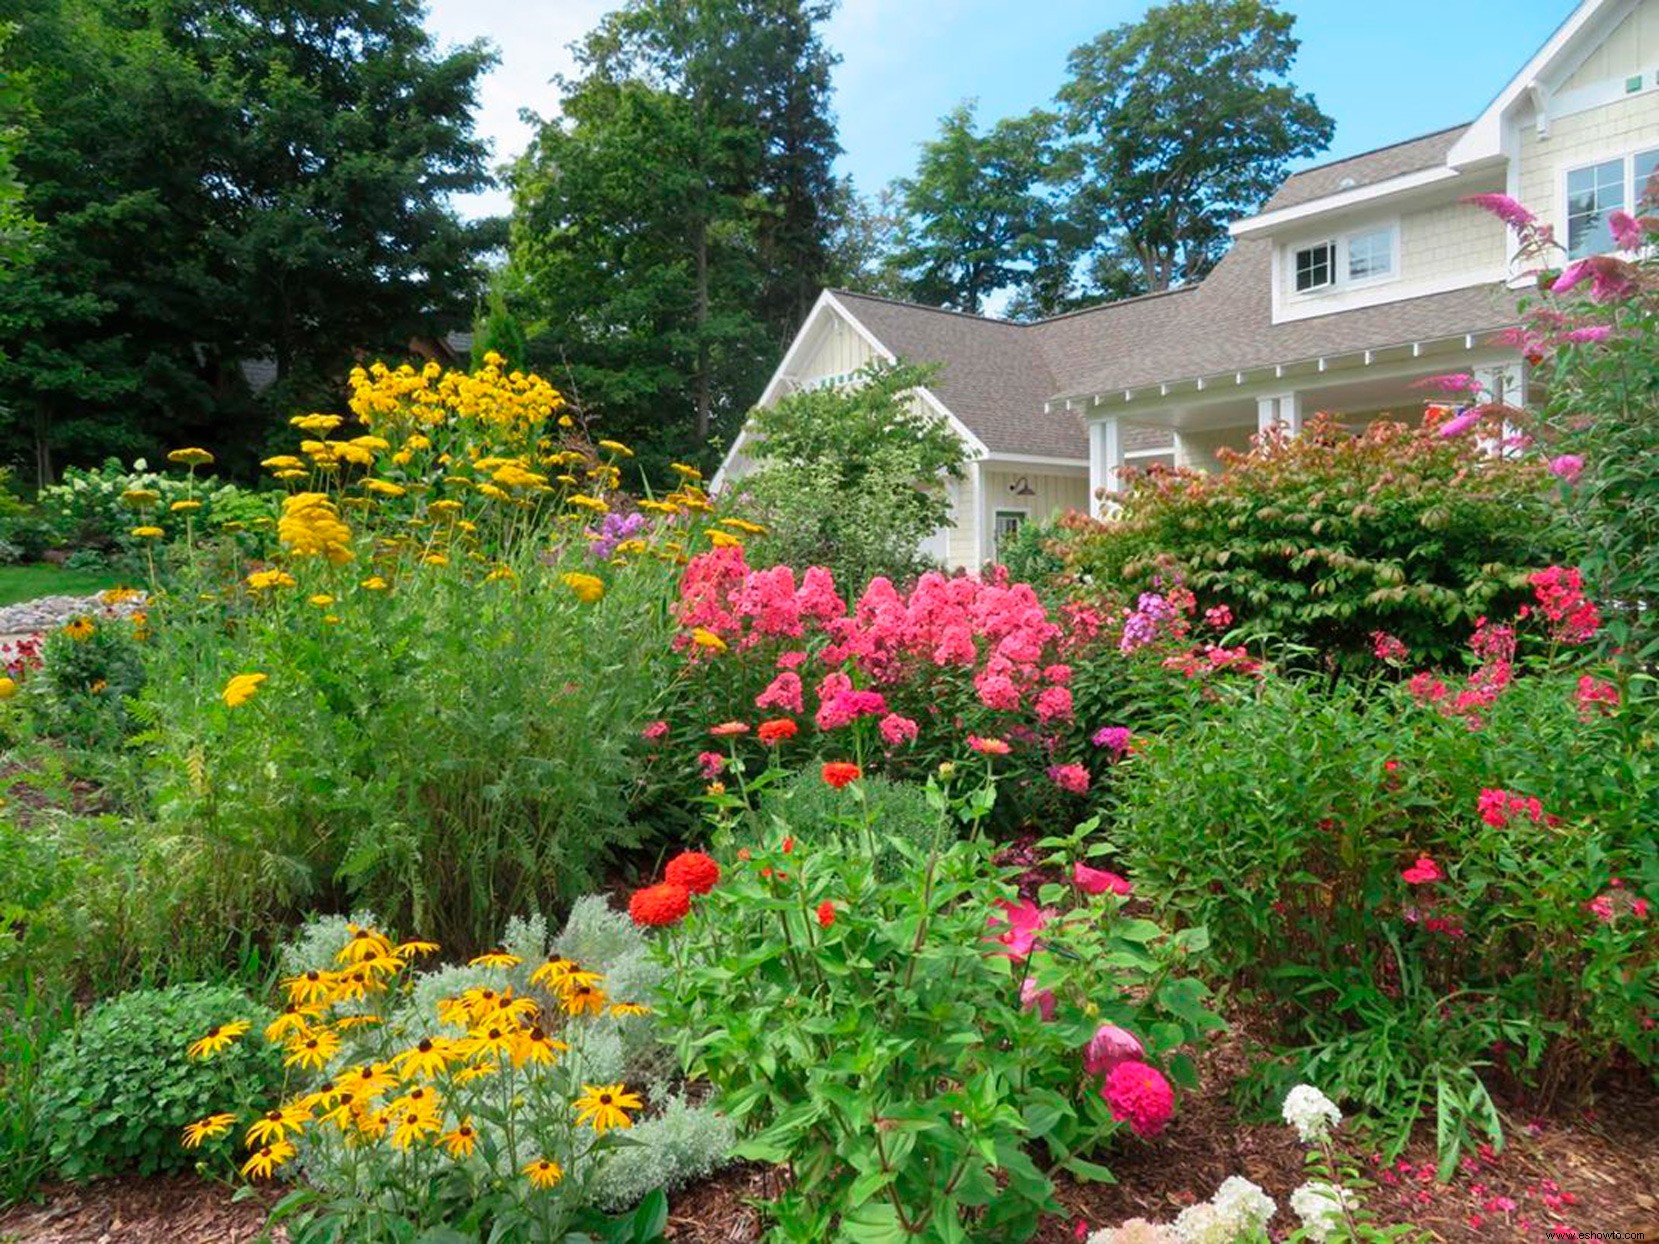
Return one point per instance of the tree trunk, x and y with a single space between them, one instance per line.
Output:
43 444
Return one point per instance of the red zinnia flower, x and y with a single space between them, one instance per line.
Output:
838 773
693 870
776 731
660 904
826 914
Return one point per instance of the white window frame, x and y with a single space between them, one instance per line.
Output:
1339 242
1629 189
1023 512
1296 253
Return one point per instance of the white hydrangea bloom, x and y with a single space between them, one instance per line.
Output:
1311 1113
1243 1205
1200 1224
1320 1205
1135 1231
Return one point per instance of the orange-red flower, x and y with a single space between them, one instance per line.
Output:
838 773
826 914
693 870
660 904
776 731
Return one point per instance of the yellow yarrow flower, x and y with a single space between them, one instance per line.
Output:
723 539
384 488
147 533
191 457
8 687
185 507
588 588
240 689
374 583
702 637
265 580
316 423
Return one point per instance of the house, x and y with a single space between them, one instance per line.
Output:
1357 280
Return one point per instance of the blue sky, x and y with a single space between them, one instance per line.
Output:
1385 71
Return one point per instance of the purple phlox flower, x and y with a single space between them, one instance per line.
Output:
1141 627
1114 738
1504 208
613 530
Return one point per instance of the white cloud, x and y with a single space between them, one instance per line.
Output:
532 39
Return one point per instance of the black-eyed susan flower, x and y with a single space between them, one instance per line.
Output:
273 1125
242 688
294 1018
584 1000
605 1106
625 1009
408 1126
80 629
533 1045
217 1038
369 1080
210 1128
407 950
460 1142
267 1158
429 1057
312 1050
544 1172
497 958
487 1041
311 985
363 942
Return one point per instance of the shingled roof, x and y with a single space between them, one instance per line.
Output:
1367 169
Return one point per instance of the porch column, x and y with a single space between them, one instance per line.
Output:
1105 461
1506 383
1282 409
982 518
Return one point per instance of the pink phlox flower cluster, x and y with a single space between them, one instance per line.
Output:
784 693
655 732
897 730
1595 697
1072 778
1214 659
1559 591
1054 704
1499 807
713 764
1424 872
1611 904
1218 616
1388 647
845 707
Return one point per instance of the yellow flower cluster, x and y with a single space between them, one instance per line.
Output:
404 400
491 1045
311 526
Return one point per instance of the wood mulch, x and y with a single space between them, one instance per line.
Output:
170 1209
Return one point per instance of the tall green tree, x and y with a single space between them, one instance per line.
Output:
977 216
672 227
219 184
1180 123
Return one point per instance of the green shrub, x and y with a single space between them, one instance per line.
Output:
850 478
910 1047
1323 539
115 1092
1297 821
907 822
90 667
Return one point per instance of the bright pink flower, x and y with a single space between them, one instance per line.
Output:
1116 739
1220 617
1110 1046
1071 778
1588 335
1042 999
897 730
1626 230
999 692
1455 382
1098 880
1388 648
1595 697
783 693
1054 704
988 747
1560 595
1459 423
1567 467
713 764
1139 1095
1059 675
1024 920
1423 872
655 732
1506 209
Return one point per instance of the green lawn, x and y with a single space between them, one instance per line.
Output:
20 583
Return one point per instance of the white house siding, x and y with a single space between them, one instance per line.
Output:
1632 48
1198 449
1614 129
1055 494
840 351
1449 241
961 549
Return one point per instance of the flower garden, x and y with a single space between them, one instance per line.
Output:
461 842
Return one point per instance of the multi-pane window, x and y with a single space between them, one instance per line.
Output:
1004 525
1644 185
1371 255
1592 194
1315 267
